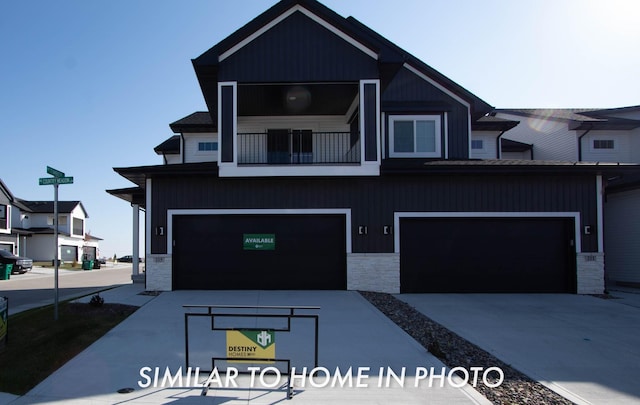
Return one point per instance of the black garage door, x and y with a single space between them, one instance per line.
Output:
216 252
487 255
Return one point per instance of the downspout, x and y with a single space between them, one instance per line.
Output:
580 143
499 145
182 146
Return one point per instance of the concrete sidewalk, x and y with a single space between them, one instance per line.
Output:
352 334
585 348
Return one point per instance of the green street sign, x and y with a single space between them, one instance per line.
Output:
259 241
54 172
47 181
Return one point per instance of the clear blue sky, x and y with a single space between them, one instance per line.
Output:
86 86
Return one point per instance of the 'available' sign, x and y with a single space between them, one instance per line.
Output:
259 241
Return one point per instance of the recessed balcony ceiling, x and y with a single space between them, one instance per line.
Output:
296 99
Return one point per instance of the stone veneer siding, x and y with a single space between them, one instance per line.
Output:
158 271
379 272
590 273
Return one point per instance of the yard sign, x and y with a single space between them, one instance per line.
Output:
247 344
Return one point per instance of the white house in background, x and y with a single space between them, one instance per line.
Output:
36 220
593 135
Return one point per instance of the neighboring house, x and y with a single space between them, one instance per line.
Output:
329 158
26 229
8 239
73 242
593 135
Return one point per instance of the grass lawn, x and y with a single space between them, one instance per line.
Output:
38 345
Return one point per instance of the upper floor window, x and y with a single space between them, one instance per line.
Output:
4 217
477 144
207 146
415 136
603 144
78 227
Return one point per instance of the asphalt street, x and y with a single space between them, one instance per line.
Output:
37 287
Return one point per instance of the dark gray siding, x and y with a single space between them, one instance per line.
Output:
408 93
373 201
226 135
298 50
370 117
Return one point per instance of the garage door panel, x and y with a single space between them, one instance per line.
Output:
486 255
309 252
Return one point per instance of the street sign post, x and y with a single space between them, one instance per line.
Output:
57 179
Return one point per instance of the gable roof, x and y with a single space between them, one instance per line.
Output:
390 57
5 190
46 207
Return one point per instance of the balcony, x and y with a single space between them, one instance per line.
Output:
298 147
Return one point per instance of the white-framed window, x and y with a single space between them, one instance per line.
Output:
4 217
207 146
600 144
477 144
78 227
415 136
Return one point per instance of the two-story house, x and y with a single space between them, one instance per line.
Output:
329 158
38 219
27 229
593 135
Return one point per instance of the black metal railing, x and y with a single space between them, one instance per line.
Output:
298 147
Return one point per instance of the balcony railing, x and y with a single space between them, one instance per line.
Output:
287 147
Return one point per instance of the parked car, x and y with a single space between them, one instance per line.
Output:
128 259
20 264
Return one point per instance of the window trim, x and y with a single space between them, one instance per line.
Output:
216 146
426 117
74 229
7 217
596 149
481 143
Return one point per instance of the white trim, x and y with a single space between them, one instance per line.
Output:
574 215
593 138
147 216
445 128
8 214
383 135
469 138
13 246
439 86
363 160
422 117
318 211
284 16
299 170
234 86
600 225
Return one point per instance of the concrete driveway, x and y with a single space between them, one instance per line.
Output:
352 334
587 349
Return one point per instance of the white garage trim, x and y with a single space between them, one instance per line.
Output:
599 210
398 215
344 211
